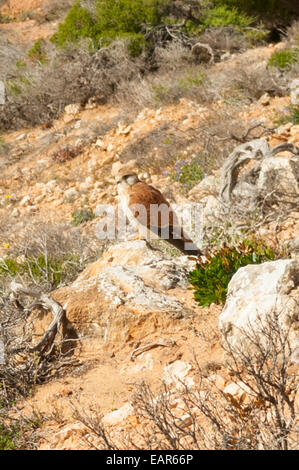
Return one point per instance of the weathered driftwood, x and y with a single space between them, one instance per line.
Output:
46 303
258 150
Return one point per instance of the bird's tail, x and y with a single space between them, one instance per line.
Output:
185 245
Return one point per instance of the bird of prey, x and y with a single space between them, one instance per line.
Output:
150 213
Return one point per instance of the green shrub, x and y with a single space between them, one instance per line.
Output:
283 59
82 215
160 93
51 270
257 36
5 19
127 15
79 23
112 19
191 80
291 115
224 16
210 279
15 86
258 6
294 114
36 51
7 438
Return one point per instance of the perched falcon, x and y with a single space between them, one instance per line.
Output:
150 213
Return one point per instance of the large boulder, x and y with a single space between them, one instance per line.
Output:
256 292
124 295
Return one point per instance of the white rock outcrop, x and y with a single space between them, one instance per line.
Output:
177 375
255 292
294 87
125 293
279 174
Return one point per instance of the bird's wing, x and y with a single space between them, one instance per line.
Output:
147 196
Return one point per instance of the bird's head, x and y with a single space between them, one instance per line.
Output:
128 180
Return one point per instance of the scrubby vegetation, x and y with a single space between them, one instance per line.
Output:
109 20
7 437
204 417
283 59
188 173
210 278
104 49
291 114
82 215
44 258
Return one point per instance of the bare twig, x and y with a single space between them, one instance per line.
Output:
147 347
47 303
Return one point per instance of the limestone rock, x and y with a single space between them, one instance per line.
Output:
73 108
281 174
176 374
71 194
15 212
125 292
294 87
264 99
253 178
255 292
119 168
25 201
208 186
68 437
238 390
117 416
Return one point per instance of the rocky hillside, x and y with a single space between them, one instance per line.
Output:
132 347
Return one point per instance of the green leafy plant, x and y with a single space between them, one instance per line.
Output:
82 215
111 20
160 92
7 438
257 36
191 80
127 15
222 15
188 173
36 51
5 19
41 268
210 278
283 59
257 6
291 115
79 23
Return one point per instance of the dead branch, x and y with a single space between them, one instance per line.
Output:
256 149
163 33
44 302
244 137
285 147
147 347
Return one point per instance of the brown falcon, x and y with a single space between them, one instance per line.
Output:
150 213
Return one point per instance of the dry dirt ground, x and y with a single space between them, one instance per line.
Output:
34 26
106 379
